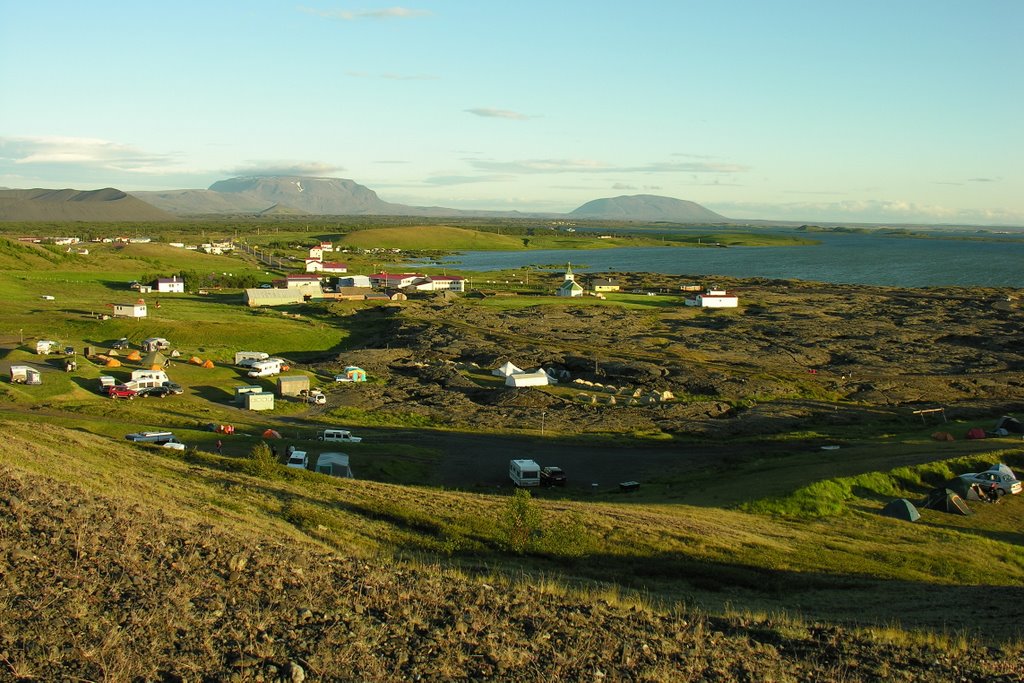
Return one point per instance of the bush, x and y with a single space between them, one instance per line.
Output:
519 522
261 462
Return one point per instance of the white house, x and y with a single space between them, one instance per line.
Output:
326 246
394 280
136 310
314 265
316 252
170 285
334 267
714 298
292 281
447 283
354 281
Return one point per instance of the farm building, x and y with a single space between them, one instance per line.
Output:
298 280
170 285
354 281
537 378
291 385
263 400
714 298
394 280
334 267
242 391
600 284
334 464
136 310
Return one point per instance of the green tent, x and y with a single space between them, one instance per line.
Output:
965 489
947 500
901 508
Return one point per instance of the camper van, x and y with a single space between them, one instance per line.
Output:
267 368
152 437
342 435
524 472
245 359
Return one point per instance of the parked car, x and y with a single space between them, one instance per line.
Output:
552 476
161 391
122 391
297 460
1005 483
174 387
120 344
313 396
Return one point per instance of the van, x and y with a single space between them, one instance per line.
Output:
342 435
266 368
524 472
245 359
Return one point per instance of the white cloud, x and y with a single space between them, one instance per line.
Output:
356 15
464 179
81 152
487 112
270 168
867 211
592 166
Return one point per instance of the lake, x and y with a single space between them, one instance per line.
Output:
841 258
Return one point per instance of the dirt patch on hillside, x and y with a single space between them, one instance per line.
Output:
99 590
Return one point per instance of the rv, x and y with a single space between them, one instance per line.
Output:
152 437
338 435
147 379
23 374
524 472
267 368
44 346
106 381
245 359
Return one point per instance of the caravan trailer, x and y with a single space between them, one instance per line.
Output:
524 472
267 368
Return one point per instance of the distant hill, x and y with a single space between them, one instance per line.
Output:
106 205
648 207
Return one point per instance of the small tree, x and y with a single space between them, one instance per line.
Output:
261 462
520 522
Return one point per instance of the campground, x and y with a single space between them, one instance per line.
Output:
761 482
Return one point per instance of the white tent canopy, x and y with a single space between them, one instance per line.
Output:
506 370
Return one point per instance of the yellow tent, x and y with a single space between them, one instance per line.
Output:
113 363
195 360
134 355
208 364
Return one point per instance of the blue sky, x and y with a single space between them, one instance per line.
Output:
905 111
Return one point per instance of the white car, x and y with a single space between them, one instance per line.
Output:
1004 480
297 460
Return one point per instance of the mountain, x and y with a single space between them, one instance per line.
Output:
648 207
106 205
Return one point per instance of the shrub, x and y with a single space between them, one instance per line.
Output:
519 522
261 462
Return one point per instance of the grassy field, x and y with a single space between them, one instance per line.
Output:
798 534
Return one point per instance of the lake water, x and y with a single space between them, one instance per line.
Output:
851 258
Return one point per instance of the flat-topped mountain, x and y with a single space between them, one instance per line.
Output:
648 207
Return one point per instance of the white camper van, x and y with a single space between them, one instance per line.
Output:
267 368
342 435
524 472
297 460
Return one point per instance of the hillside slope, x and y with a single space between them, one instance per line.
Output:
107 205
163 569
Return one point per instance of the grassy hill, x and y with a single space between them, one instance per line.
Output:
206 565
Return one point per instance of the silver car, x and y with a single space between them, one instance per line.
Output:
1005 483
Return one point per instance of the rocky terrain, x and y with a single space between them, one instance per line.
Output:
96 588
792 354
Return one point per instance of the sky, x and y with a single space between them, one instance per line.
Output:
870 111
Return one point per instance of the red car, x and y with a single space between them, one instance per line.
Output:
122 391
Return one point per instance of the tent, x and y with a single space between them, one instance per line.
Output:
1002 469
154 360
901 508
208 364
975 433
1010 424
965 489
195 360
505 370
113 363
134 355
946 500
942 436
271 434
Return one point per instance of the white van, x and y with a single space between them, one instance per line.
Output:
266 368
524 472
246 359
342 435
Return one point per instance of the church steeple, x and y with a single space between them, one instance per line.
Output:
568 272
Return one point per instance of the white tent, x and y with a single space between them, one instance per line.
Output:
528 379
334 464
506 370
